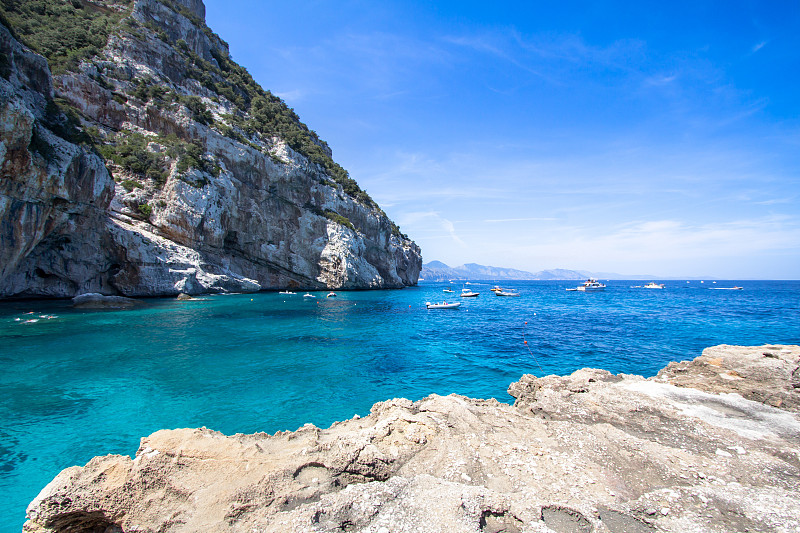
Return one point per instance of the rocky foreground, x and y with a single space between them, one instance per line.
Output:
707 445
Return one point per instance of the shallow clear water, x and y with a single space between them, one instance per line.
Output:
93 382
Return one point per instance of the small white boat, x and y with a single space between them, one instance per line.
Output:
467 293
308 295
331 295
287 292
590 285
443 305
735 288
653 285
505 293
448 290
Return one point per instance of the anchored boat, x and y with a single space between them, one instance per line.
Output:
590 285
506 293
443 305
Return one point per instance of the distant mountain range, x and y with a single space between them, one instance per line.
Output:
438 271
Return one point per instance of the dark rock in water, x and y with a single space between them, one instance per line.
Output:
586 452
98 301
184 296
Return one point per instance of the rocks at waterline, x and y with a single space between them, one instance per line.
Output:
590 451
95 300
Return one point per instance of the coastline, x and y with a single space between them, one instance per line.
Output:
705 445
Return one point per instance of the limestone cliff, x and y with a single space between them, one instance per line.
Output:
707 446
155 165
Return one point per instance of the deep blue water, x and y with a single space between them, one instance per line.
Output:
93 382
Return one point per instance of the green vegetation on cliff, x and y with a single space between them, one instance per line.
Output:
152 157
67 32
268 115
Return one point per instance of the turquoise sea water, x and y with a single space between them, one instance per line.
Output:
92 382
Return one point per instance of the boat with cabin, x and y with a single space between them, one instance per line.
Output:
467 293
590 285
505 293
443 305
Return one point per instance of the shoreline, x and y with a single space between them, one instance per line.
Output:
705 445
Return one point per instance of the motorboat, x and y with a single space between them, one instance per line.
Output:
331 295
443 305
308 295
590 285
505 293
287 292
734 288
448 290
496 288
653 285
467 293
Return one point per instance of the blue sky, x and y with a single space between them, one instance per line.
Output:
630 137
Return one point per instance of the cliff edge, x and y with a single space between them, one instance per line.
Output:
148 162
705 446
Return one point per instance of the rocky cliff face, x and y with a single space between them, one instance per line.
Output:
707 446
209 182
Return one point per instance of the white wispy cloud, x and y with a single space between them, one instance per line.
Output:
758 47
776 201
368 64
528 219
660 80
550 56
670 244
291 96
431 224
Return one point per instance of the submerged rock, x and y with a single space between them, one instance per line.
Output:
589 452
94 300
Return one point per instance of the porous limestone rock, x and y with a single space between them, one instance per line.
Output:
588 452
766 374
259 215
